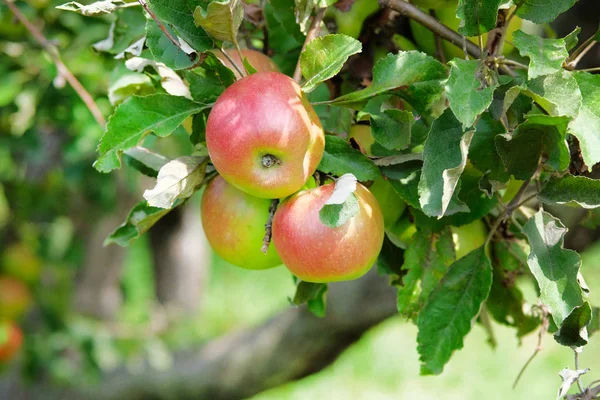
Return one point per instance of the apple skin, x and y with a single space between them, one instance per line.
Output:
260 61
350 22
317 253
20 262
468 237
265 116
15 298
234 224
14 339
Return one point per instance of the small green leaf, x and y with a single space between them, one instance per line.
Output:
572 189
554 267
136 117
453 305
163 50
405 180
178 179
542 12
540 135
587 123
335 215
221 19
478 16
444 159
412 75
178 14
572 39
129 84
573 331
209 80
339 159
558 94
324 57
482 152
392 128
140 219
144 160
314 295
469 89
96 8
546 56
426 261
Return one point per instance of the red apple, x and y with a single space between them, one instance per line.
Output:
15 298
234 224
258 60
315 252
11 339
264 137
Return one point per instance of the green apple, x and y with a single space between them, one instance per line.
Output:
350 22
234 224
390 202
15 298
20 262
468 237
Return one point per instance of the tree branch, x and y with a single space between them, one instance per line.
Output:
85 96
313 32
290 346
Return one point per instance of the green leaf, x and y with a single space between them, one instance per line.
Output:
135 118
405 180
478 16
178 14
542 12
583 191
178 179
426 261
304 10
586 126
339 159
209 80
314 295
392 128
468 89
163 50
482 152
283 28
414 76
334 215
573 331
144 160
324 57
221 19
511 255
140 219
540 135
554 267
129 84
453 305
444 159
96 8
546 56
390 259
558 94
572 39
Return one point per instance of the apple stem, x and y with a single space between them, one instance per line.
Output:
269 226
268 160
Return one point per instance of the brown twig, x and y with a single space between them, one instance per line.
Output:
237 68
439 50
512 206
538 348
63 71
572 61
269 226
312 33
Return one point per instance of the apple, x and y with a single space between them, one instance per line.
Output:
15 298
20 262
234 224
468 237
260 61
350 22
389 200
264 137
315 252
426 39
11 339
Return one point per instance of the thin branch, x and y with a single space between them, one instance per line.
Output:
572 61
63 71
269 226
228 57
312 33
514 63
160 24
504 27
512 206
446 33
439 50
595 69
538 348
579 385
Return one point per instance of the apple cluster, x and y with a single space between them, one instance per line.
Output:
20 268
266 141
